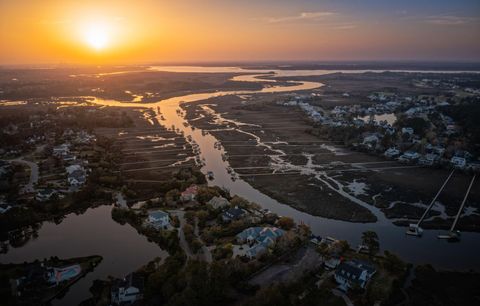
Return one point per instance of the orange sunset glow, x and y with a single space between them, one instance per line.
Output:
53 31
239 152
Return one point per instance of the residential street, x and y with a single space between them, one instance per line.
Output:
30 187
207 255
181 235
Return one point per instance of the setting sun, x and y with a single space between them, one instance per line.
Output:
97 35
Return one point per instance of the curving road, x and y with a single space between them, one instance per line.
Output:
30 187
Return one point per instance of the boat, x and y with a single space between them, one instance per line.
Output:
414 230
451 236
210 175
229 169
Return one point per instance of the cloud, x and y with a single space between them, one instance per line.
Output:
315 16
345 27
449 20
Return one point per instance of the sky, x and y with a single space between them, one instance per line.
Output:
145 31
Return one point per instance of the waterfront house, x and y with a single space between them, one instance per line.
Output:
331 263
370 140
315 240
474 166
353 273
458 162
45 194
128 290
233 214
189 194
409 156
218 202
259 239
77 178
392 153
429 159
158 219
252 234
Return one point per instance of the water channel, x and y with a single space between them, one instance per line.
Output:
124 250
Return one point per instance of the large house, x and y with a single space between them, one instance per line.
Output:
392 153
409 156
77 178
259 239
407 130
128 290
189 194
458 162
218 202
158 219
354 273
61 150
429 159
45 194
233 214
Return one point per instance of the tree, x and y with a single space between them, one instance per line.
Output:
370 239
204 194
285 223
202 216
190 216
240 202
343 246
172 196
323 250
393 263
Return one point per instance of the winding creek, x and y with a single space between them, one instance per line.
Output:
123 250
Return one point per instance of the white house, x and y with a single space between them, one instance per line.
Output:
407 130
370 139
429 159
409 156
158 219
458 162
353 273
218 202
259 239
44 194
61 150
77 178
128 290
392 153
75 167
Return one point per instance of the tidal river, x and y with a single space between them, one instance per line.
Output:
123 250
427 249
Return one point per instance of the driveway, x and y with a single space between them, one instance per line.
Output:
304 260
343 296
181 235
30 187
207 255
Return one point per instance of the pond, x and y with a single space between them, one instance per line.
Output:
92 233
